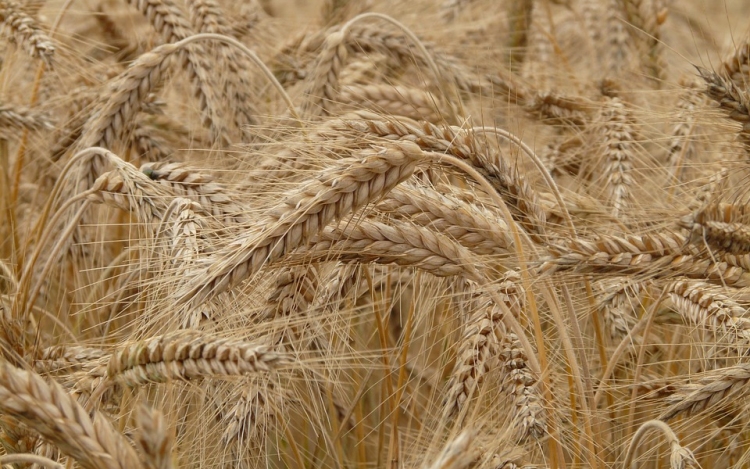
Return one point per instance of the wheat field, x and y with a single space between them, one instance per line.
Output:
351 234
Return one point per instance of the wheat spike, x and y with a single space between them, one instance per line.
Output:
189 355
49 410
24 30
335 193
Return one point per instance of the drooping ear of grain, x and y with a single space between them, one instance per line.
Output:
189 355
25 31
172 25
49 410
335 193
154 440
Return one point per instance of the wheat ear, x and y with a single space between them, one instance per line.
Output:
519 23
207 17
189 355
731 98
49 410
394 243
15 118
681 147
131 191
393 100
456 454
706 305
617 152
657 255
154 440
199 187
616 304
711 390
506 179
472 227
24 30
173 26
338 191
68 359
477 353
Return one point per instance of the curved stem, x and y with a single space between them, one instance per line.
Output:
624 343
540 166
650 425
417 42
62 239
540 367
21 297
61 179
251 55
